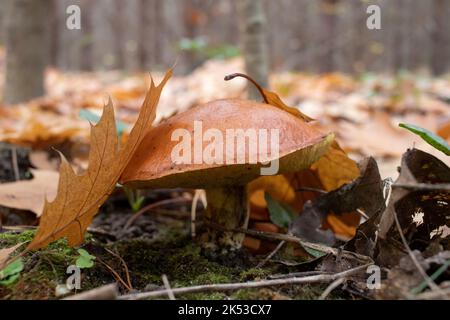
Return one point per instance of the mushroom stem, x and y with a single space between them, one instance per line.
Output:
229 208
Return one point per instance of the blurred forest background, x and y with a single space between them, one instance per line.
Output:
316 36
318 55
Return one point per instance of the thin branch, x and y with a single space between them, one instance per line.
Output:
14 163
362 214
125 266
168 288
336 283
245 285
291 238
297 274
107 292
433 295
279 246
115 274
423 186
309 189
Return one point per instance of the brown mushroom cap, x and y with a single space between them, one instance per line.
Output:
151 166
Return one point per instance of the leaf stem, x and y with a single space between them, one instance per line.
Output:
256 84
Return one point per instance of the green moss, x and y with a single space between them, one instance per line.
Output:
12 238
180 259
44 269
254 274
176 256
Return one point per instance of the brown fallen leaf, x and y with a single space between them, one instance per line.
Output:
365 193
40 160
79 197
273 99
444 130
423 214
30 194
378 136
6 253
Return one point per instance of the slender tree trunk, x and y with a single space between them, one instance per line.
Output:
254 42
26 49
438 51
329 24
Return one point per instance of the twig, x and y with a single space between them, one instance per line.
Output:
433 295
153 206
422 272
107 292
15 165
168 288
336 283
101 232
279 246
245 285
124 264
18 228
291 238
423 186
309 189
297 274
115 274
362 214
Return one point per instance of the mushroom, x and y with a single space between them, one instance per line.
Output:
153 164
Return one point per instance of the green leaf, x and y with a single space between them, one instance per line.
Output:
92 117
315 253
432 139
136 206
11 272
280 214
85 260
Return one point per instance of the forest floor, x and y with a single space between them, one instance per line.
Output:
135 248
167 249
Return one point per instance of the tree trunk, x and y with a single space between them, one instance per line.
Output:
254 43
27 49
328 13
438 51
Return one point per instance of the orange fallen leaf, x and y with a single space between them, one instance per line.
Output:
335 168
275 100
344 225
444 130
79 197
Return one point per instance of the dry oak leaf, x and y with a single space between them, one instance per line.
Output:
6 253
30 194
273 99
79 197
